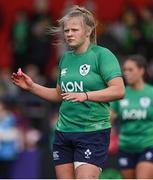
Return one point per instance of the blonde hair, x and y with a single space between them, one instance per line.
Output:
76 11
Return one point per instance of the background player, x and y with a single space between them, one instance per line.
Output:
135 113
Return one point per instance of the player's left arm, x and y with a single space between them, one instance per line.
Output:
114 91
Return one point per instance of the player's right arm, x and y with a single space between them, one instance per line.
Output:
50 94
26 83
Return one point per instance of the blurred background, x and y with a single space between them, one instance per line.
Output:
26 121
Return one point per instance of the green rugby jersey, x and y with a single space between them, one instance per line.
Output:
135 113
88 71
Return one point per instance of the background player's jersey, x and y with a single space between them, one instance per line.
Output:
136 117
88 71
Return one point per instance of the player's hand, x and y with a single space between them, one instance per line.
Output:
22 80
74 97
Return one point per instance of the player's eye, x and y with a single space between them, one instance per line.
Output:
66 30
74 30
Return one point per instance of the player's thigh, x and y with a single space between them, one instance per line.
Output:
87 171
128 173
144 170
144 167
63 156
65 171
127 164
63 152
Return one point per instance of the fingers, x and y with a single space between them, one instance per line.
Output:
15 78
18 76
67 96
75 100
19 73
26 76
64 95
71 97
15 75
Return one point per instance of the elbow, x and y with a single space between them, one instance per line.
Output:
121 93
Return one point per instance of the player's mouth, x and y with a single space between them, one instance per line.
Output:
70 40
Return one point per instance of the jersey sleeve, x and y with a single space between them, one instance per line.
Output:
108 65
59 71
58 74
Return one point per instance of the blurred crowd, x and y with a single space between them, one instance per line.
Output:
26 121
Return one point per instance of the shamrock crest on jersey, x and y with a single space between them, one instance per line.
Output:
84 69
145 102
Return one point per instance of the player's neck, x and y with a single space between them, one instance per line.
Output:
83 48
138 85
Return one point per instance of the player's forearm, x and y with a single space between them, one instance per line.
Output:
49 94
106 95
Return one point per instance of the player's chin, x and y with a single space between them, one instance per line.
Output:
73 45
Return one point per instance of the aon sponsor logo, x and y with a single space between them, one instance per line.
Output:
134 114
72 86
